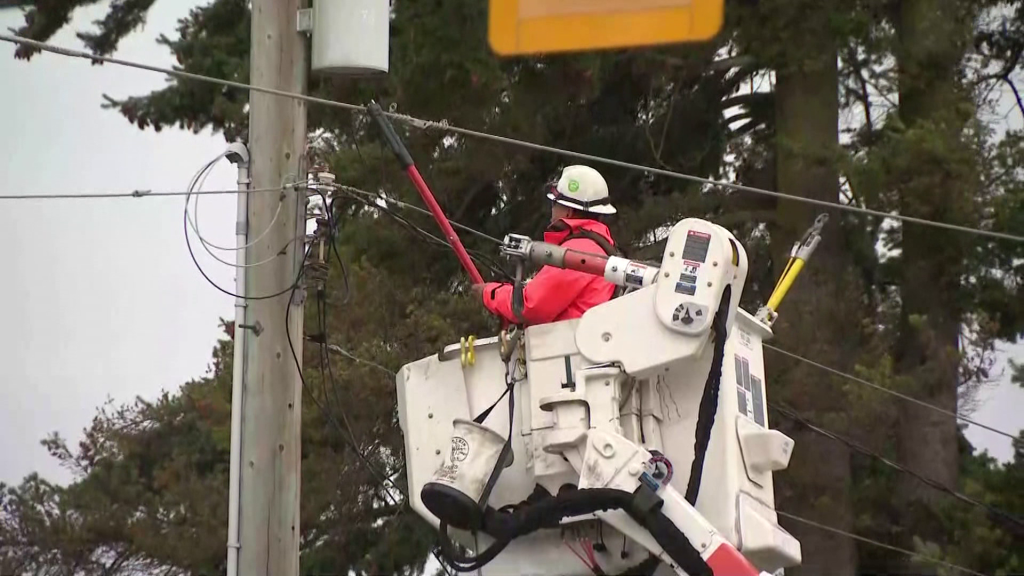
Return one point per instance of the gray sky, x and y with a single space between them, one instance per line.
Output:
100 298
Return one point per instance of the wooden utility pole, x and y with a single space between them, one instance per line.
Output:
272 401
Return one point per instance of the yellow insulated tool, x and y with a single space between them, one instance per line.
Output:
467 353
799 255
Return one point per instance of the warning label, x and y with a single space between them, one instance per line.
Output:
635 275
696 247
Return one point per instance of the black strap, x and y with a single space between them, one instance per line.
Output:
608 248
487 412
583 204
518 301
709 400
506 449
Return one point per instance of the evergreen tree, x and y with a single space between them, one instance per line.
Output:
156 471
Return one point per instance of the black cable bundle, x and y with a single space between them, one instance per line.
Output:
709 400
541 510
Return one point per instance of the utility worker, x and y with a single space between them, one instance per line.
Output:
579 198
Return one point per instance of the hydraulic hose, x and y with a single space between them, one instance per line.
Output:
544 511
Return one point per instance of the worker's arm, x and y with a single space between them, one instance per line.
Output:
546 296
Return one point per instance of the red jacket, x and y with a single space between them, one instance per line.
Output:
555 294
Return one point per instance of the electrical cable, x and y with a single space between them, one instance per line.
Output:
445 126
997 514
322 318
197 181
455 224
328 416
197 184
853 378
890 547
195 261
324 357
134 194
511 141
382 479
339 350
435 240
579 555
334 247
191 252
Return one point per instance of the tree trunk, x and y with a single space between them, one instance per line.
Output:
816 313
933 178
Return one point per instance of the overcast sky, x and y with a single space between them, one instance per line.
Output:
99 298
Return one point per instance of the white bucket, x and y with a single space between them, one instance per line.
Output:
455 490
474 452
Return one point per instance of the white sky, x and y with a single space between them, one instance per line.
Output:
99 298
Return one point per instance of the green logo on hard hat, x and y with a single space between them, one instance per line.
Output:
574 186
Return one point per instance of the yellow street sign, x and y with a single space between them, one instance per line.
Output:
544 26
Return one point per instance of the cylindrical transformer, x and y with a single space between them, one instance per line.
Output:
351 37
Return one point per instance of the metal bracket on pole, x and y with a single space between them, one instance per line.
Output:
256 328
304 20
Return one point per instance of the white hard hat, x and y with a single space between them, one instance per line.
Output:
582 188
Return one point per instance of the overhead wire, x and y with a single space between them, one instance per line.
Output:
198 186
445 126
197 183
339 350
992 511
850 377
900 395
479 257
322 316
890 547
424 124
133 194
195 261
321 341
383 479
328 378
325 346
408 206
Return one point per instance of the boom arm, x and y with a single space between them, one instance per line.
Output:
618 271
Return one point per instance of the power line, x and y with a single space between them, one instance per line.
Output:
455 224
866 540
477 256
1007 518
859 380
424 124
132 194
851 377
445 126
341 351
382 479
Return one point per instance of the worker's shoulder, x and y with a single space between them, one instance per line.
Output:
587 243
